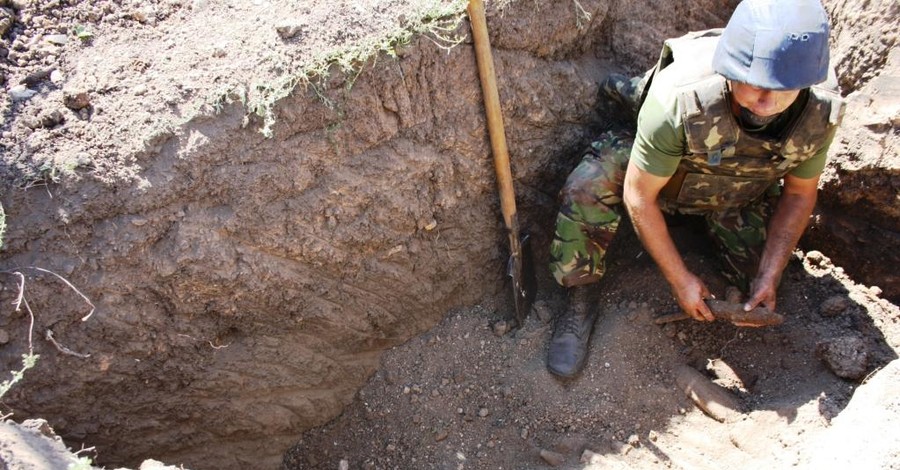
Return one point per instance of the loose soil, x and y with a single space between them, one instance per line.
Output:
305 269
461 396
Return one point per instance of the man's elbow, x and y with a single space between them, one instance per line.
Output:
630 197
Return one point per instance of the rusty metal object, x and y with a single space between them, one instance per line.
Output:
732 312
714 400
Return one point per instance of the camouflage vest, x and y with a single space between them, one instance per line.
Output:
725 166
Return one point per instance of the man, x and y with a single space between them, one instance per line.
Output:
726 116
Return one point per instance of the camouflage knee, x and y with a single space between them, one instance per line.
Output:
627 91
587 218
740 235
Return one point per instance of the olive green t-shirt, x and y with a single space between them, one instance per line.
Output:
660 142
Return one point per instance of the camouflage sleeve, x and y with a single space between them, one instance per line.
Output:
813 167
659 141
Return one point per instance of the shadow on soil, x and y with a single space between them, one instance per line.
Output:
463 397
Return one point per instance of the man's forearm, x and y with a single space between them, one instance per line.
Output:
787 225
651 229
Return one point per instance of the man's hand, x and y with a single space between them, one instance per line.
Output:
789 221
691 294
639 194
762 292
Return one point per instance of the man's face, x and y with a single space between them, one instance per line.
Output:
760 101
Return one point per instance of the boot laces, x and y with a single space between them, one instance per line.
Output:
572 322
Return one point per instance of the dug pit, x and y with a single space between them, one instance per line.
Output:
309 274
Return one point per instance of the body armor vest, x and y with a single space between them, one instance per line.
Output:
725 166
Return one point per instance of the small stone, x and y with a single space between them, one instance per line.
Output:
51 118
590 457
140 90
652 435
344 465
57 77
391 447
484 412
634 440
57 39
543 311
290 31
76 99
21 93
554 459
834 306
501 328
4 336
7 18
441 435
407 390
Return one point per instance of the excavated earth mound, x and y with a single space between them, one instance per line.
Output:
256 218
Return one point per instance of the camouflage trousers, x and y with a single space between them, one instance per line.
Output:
591 208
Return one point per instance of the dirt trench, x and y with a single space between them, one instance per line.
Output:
247 287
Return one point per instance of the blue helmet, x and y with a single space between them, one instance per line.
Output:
775 44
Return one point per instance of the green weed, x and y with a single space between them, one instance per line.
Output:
82 33
28 361
438 20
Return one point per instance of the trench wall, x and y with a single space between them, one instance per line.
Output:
245 287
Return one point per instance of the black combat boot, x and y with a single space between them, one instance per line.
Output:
572 333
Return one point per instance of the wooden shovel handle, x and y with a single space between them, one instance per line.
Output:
494 117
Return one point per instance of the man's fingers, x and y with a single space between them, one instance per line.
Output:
705 312
758 300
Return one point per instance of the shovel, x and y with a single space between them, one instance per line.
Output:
520 268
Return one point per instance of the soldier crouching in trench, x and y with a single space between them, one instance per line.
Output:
734 125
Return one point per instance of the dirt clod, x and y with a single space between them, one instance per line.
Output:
834 306
500 328
76 99
846 356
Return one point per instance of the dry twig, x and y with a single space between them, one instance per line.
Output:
63 349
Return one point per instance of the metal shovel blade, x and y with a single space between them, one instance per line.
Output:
520 268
